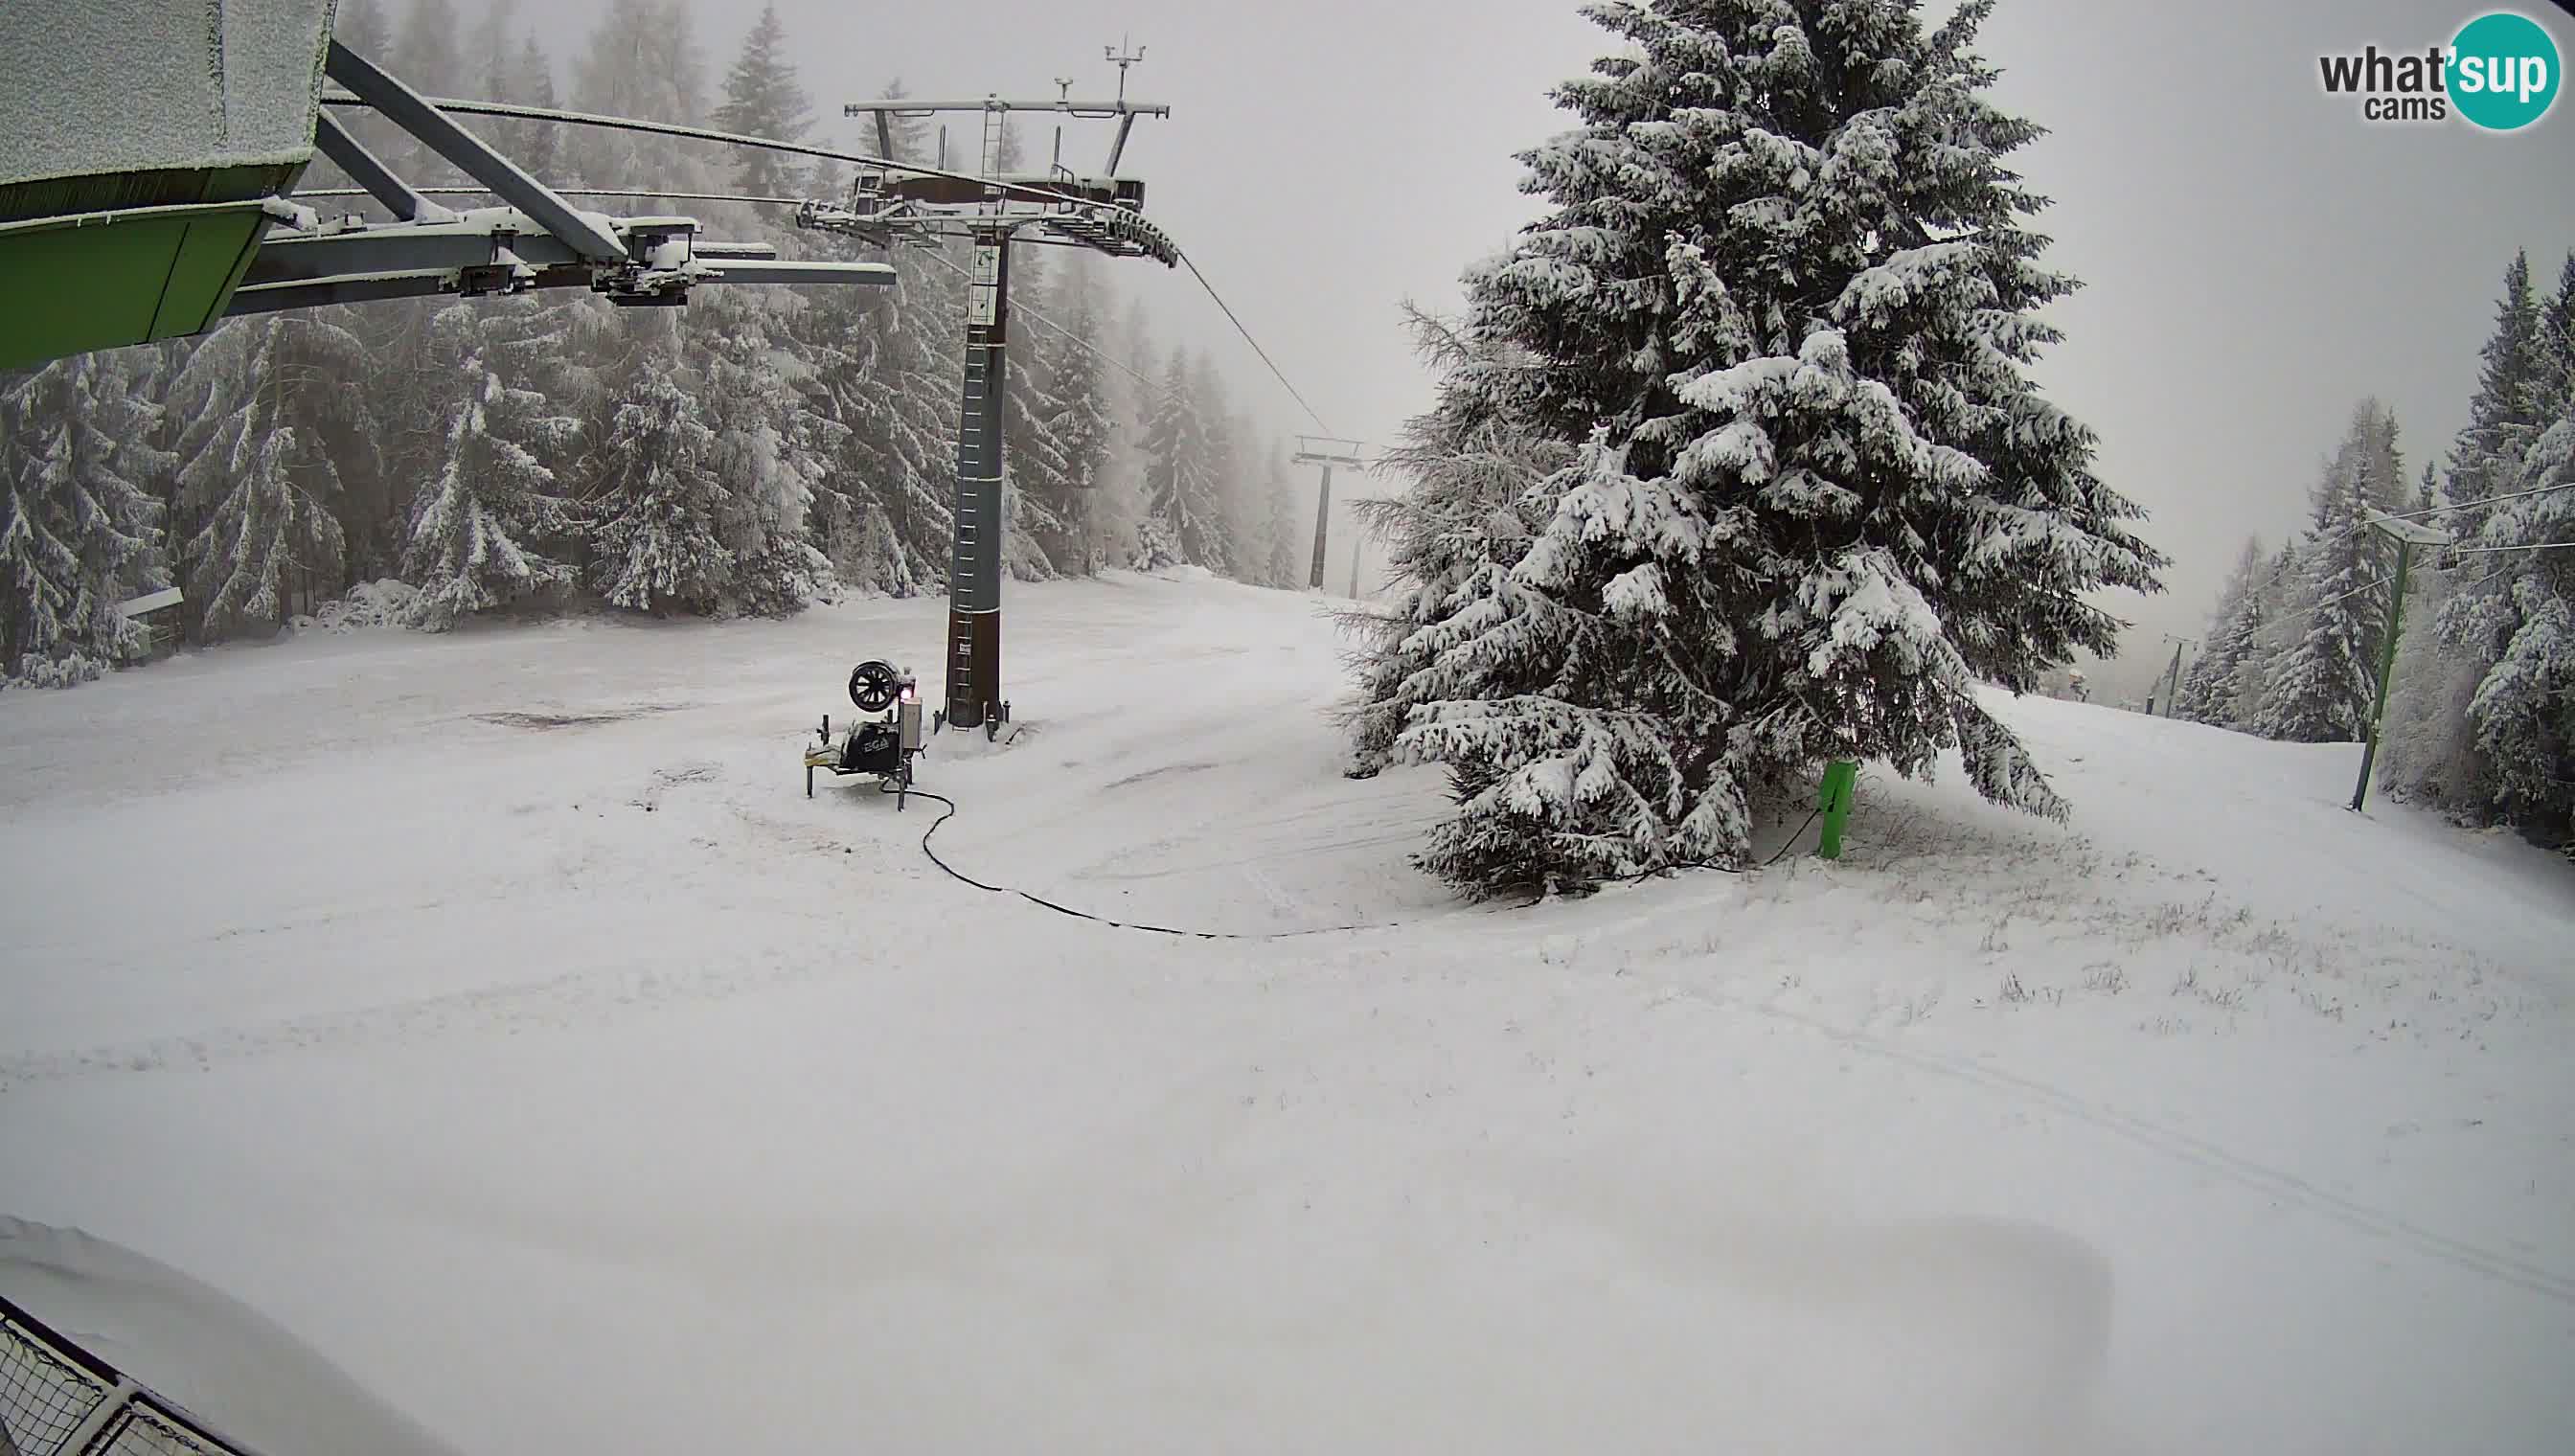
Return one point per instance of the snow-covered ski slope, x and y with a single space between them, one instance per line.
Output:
496 1013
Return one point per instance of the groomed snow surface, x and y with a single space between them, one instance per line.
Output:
496 1013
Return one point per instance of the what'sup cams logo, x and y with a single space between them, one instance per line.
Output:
2501 73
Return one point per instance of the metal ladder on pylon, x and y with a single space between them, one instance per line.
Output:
994 118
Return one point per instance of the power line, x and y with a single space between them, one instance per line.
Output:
2312 609
2504 550
2488 501
643 192
707 134
463 107
1254 343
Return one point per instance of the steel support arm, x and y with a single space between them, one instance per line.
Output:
369 172
421 249
435 129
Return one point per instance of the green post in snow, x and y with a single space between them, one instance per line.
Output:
2409 535
1833 801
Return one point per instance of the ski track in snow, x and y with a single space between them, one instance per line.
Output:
380 847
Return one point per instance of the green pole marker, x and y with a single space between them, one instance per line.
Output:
1833 801
2386 669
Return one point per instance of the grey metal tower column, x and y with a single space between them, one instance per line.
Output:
1323 514
975 560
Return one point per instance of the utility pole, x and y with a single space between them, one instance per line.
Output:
1103 212
2172 689
1328 452
1354 565
2408 534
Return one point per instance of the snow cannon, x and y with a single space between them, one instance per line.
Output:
882 746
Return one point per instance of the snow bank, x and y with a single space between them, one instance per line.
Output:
580 1086
198 1347
103 86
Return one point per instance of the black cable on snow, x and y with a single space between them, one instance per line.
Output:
1035 898
1064 910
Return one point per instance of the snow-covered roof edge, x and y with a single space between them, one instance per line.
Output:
98 87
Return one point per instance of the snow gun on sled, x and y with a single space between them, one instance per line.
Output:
885 746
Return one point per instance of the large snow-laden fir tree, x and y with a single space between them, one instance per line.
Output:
491 528
2518 606
2209 696
1288 566
652 521
1072 412
769 452
1470 506
1183 515
79 520
2467 611
2318 685
1787 277
278 413
763 98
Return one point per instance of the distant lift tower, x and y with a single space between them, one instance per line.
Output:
1102 213
1328 452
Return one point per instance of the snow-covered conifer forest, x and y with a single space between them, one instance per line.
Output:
757 452
2480 719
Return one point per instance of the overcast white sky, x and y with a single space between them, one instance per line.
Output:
2256 258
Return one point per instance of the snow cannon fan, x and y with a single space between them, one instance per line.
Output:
884 747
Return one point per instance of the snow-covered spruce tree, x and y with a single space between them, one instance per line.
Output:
1287 529
2427 747
768 448
653 522
2274 606
535 144
763 98
276 405
1219 456
1078 419
2523 600
2317 687
79 524
2208 695
2507 412
2555 348
1118 510
1474 496
490 526
1184 521
1787 274
643 60
2468 609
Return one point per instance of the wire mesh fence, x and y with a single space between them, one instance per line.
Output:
57 1399
46 1390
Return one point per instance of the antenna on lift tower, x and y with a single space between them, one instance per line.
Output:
1112 54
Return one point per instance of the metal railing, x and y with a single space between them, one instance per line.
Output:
57 1399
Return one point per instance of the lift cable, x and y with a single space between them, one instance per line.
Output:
462 107
1247 339
514 111
2488 501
